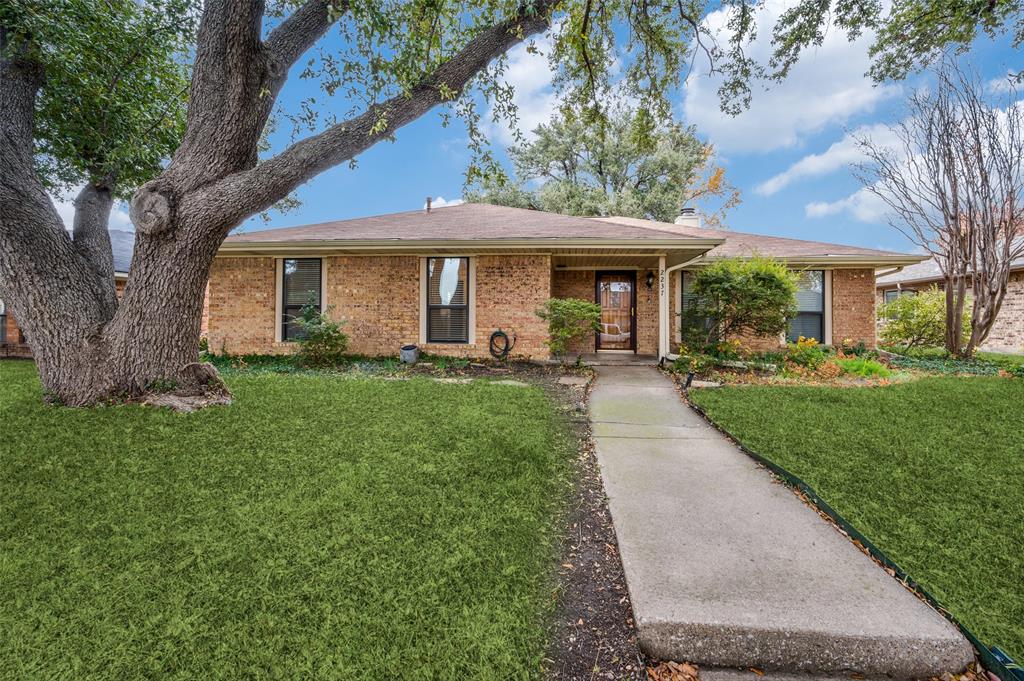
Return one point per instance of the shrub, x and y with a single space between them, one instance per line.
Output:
570 320
322 343
917 320
806 353
756 296
698 363
865 368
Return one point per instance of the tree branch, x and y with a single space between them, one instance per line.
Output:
300 31
248 192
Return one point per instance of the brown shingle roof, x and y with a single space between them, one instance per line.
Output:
468 221
744 244
484 222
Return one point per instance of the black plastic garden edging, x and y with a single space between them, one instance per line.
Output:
1008 671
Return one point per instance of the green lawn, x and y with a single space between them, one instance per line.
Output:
932 471
319 528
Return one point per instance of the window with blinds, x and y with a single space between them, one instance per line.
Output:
300 286
810 303
692 326
448 300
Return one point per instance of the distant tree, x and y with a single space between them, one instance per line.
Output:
954 184
619 163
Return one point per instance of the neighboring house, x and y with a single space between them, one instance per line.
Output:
1007 334
12 340
447 279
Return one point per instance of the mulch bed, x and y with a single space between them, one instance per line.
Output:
593 635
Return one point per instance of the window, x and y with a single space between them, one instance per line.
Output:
3 322
895 293
691 324
300 286
810 304
447 300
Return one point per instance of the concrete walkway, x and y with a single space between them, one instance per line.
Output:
727 568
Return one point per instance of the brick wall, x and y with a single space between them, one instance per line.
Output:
853 306
1007 334
577 284
509 291
379 298
242 306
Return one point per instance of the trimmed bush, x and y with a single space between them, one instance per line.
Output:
734 296
570 320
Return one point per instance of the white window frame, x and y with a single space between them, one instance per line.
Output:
279 290
471 276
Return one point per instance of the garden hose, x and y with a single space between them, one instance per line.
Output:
500 344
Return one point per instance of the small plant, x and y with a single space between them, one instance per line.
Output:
863 367
570 321
849 348
322 343
806 352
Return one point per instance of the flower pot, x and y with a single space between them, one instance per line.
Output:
409 354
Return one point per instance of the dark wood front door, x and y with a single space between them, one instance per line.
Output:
616 294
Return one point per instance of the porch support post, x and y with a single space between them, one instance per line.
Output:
663 309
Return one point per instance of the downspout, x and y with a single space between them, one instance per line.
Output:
663 305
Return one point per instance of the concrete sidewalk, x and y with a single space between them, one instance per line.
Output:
727 568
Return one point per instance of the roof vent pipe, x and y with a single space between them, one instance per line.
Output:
428 203
688 217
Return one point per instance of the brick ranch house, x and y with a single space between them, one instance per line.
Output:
1007 334
446 279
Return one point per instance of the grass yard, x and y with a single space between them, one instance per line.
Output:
932 471
319 528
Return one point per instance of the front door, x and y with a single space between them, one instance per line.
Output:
616 294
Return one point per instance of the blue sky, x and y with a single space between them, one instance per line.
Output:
788 154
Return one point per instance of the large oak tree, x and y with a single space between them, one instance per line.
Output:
397 61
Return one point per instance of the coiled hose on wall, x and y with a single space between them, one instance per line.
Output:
501 346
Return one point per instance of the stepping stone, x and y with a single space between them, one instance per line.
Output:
574 380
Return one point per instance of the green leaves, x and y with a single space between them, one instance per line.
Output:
570 320
756 296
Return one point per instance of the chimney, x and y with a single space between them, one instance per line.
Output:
428 203
688 217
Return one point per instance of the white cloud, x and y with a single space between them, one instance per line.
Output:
529 73
65 205
839 155
826 87
441 202
1002 85
863 205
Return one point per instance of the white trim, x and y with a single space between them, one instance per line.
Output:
827 323
678 318
471 333
323 284
278 294
423 301
663 308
